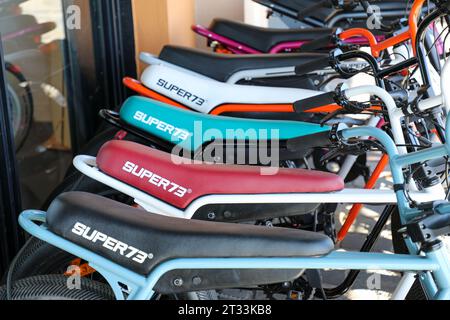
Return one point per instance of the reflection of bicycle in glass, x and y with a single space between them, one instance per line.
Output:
28 71
9 7
20 103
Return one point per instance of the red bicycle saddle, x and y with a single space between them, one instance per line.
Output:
161 175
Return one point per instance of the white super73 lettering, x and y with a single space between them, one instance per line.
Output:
155 179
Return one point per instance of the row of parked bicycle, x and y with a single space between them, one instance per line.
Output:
221 178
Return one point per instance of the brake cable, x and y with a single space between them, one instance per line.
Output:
347 106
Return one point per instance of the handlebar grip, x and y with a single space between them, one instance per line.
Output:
304 105
317 44
309 142
314 65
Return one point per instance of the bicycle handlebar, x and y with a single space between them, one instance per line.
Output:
387 142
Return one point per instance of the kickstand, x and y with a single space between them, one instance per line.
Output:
316 281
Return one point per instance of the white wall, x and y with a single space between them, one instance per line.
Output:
207 10
238 10
255 14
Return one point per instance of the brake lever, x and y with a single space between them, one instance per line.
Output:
414 105
355 149
330 116
343 149
348 107
333 153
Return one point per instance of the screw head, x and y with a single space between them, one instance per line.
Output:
211 216
196 281
227 214
178 282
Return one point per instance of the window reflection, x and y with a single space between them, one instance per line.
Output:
33 38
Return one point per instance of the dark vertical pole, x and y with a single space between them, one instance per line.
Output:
10 203
81 86
98 56
116 54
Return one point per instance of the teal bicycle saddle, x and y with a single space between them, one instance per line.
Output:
191 130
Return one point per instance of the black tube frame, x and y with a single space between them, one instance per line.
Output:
11 238
99 56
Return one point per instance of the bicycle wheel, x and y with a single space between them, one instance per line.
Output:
54 287
20 102
38 257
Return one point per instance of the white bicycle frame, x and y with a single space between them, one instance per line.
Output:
151 60
213 92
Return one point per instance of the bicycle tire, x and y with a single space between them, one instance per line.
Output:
54 287
21 93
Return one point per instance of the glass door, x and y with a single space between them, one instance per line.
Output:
33 41
10 203
63 60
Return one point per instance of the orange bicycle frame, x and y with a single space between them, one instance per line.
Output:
378 47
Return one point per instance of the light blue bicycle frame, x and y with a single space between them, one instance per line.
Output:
433 267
